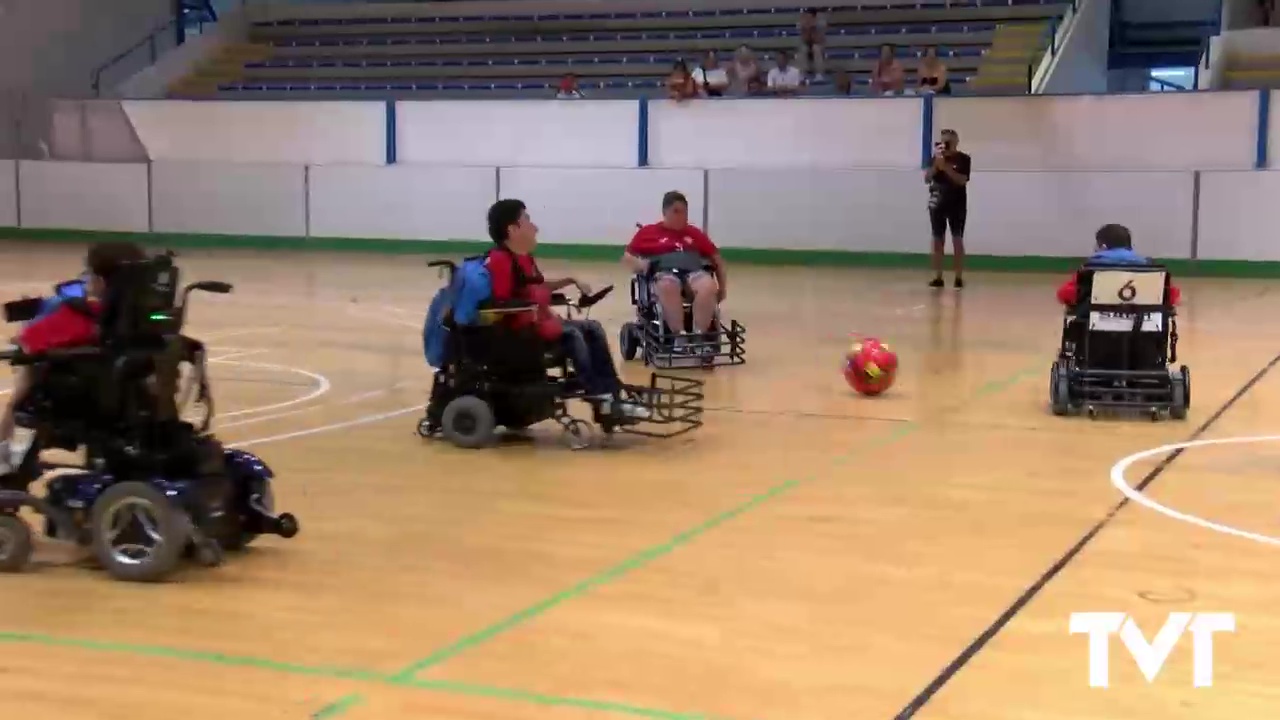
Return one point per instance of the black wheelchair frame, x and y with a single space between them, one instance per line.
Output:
118 401
1127 369
649 337
497 376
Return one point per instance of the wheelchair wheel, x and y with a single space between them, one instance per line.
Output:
468 422
1059 390
16 544
1179 395
629 340
138 534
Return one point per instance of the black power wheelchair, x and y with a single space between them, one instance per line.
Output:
154 489
649 337
497 376
1118 344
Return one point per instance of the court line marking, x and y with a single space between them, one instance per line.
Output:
1118 480
322 386
448 687
652 553
978 643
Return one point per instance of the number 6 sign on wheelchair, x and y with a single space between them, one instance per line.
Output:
1125 287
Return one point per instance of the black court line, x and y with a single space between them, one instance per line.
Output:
978 643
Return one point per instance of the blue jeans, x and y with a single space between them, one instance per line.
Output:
587 347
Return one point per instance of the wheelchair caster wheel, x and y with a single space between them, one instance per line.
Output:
16 544
209 554
578 434
1093 412
424 428
287 525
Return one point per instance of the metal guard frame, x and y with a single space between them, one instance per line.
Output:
675 402
658 351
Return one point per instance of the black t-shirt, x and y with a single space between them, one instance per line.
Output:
948 190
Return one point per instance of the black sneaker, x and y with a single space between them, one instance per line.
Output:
958 283
937 282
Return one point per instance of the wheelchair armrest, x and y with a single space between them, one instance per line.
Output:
514 304
18 358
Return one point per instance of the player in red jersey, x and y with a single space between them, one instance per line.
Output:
513 274
69 325
675 235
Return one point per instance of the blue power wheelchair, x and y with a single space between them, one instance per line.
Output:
154 489
1119 342
649 336
490 375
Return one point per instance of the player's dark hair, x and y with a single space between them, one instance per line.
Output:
502 215
105 259
1114 237
671 198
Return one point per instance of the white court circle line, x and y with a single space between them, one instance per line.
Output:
1121 484
362 420
322 386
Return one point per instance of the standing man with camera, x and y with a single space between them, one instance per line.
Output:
948 179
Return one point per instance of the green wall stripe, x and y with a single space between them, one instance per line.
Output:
603 252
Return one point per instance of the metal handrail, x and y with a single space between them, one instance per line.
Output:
149 40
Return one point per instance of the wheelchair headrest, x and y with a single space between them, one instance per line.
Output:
139 306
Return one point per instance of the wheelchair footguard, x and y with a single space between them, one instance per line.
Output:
654 343
471 417
141 531
1158 393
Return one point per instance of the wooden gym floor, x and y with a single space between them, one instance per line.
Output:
807 555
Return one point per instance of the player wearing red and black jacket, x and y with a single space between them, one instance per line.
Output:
68 325
1114 247
513 275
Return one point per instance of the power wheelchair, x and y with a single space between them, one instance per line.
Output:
649 337
1118 344
496 376
154 489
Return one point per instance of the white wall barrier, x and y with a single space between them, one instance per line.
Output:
572 205
229 198
404 202
83 196
8 193
315 133
600 134
1153 131
1239 215
1146 131
1010 213
810 133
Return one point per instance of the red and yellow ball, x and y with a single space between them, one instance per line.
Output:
870 367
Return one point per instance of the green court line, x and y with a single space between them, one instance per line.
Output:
646 556
337 707
406 679
347 702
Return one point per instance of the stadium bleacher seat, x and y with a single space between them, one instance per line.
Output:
986 43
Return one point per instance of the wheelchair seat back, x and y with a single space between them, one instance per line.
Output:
1127 298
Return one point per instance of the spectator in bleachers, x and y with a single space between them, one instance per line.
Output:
785 79
888 78
744 74
569 89
813 44
844 86
680 85
933 74
711 79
